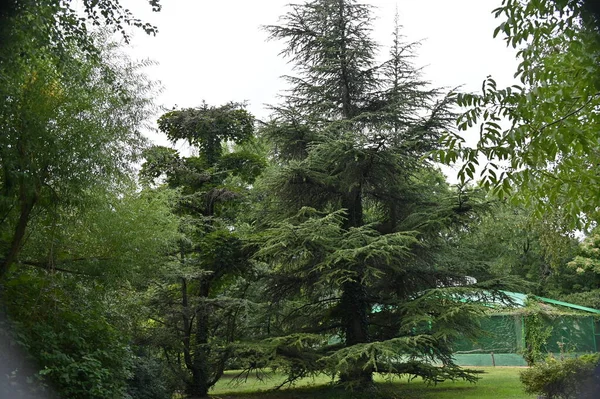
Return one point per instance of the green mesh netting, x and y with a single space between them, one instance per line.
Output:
572 333
503 334
504 342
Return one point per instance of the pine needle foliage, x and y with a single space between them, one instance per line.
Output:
201 301
354 214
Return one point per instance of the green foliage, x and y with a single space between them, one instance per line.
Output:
117 237
537 333
586 267
65 325
149 379
589 298
564 379
56 24
355 224
312 33
72 129
508 240
289 139
159 160
207 128
539 136
589 259
312 247
244 164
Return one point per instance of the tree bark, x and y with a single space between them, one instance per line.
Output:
200 364
355 322
27 204
353 205
354 304
187 330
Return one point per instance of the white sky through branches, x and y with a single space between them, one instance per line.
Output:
216 51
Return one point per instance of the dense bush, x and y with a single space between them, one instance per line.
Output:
75 345
149 379
576 378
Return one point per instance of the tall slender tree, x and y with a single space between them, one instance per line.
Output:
356 243
195 303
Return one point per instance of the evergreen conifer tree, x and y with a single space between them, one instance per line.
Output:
197 303
356 235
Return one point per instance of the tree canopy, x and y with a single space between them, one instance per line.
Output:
538 138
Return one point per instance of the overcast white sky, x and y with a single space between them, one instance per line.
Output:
215 50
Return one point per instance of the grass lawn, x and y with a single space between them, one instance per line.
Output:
495 383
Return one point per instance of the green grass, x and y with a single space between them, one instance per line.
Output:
495 383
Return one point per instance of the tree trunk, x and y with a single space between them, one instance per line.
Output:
353 205
199 386
201 379
354 305
346 97
355 322
187 330
27 204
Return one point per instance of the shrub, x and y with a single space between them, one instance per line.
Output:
574 378
149 379
537 333
66 328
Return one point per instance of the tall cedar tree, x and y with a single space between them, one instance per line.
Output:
356 237
194 304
